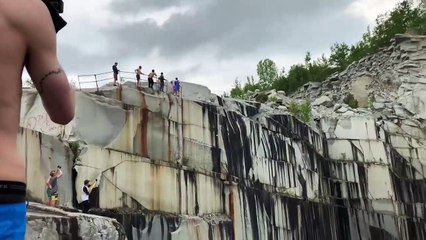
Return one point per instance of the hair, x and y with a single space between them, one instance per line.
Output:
140 66
116 63
86 182
52 173
161 73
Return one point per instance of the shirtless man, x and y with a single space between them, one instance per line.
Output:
28 39
151 76
138 72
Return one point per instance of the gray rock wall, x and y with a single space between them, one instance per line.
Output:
172 168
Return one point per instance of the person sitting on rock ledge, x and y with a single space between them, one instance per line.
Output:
28 39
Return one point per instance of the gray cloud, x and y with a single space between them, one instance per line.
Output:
134 6
235 27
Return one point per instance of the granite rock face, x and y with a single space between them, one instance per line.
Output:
214 168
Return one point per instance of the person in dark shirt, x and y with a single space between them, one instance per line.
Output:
52 186
115 71
161 78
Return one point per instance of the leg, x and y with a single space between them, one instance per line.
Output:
55 198
49 197
84 206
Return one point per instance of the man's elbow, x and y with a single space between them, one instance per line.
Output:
63 118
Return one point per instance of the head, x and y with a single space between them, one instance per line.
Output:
52 173
161 73
153 70
116 63
177 79
140 67
86 182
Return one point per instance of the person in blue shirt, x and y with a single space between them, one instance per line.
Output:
176 87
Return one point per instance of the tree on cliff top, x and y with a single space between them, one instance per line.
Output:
267 72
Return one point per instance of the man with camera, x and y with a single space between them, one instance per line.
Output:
28 39
52 186
85 195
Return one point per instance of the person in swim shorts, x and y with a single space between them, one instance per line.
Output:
151 76
28 39
52 186
138 72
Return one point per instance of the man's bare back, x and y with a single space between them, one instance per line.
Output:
28 39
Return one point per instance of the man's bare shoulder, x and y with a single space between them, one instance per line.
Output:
25 15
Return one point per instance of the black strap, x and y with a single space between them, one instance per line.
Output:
12 192
58 21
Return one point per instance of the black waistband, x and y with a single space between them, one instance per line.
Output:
12 192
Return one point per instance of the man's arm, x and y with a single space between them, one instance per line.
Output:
85 190
48 183
44 68
59 173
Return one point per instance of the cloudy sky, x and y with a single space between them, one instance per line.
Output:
210 42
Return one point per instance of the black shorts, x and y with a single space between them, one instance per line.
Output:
138 77
150 80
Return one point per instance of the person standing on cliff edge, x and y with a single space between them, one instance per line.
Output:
115 72
28 39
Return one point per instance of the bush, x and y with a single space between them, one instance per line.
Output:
306 112
273 99
301 111
351 101
294 108
261 97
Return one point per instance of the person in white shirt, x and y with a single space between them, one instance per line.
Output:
87 188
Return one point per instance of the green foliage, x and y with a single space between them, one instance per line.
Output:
267 72
302 111
261 97
237 91
351 101
371 100
273 99
241 92
294 108
339 57
404 18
